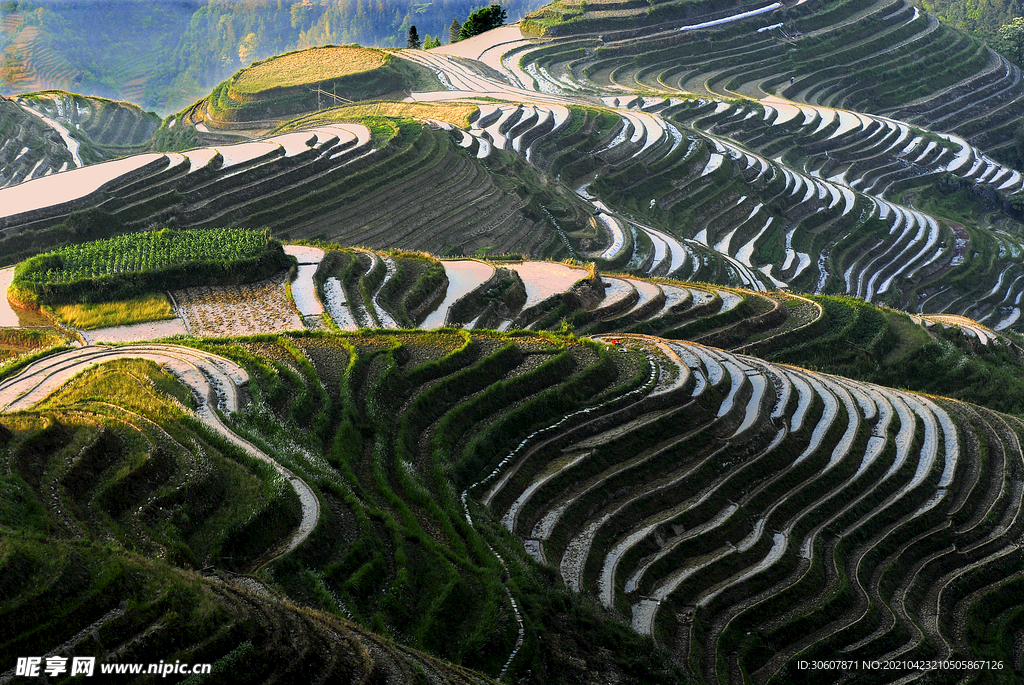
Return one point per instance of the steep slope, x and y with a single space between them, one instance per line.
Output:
49 132
130 489
940 354
434 583
649 505
806 198
335 181
882 57
106 128
639 477
810 197
132 610
764 193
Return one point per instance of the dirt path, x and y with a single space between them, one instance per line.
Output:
214 381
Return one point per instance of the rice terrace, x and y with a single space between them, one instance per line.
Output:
665 342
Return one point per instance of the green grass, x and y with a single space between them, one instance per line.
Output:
152 307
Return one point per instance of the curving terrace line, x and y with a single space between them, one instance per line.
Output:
214 381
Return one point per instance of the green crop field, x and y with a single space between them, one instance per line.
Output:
141 262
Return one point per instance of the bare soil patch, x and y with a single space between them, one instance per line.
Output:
249 309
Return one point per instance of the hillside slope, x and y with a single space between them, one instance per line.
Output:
696 449
164 55
763 194
884 528
145 491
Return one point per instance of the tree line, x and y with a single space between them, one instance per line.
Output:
481 20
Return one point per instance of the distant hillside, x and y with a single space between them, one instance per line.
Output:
121 50
983 18
166 54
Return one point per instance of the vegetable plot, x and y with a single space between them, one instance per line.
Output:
142 262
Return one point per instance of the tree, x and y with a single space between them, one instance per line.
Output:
483 20
431 42
414 39
300 15
1012 37
453 31
247 49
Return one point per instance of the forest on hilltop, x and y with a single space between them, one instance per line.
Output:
982 17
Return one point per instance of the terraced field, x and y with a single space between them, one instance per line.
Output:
686 539
274 90
30 149
858 55
696 450
204 497
115 128
787 183
28 62
759 193
819 152
35 131
738 571
431 444
940 354
326 183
